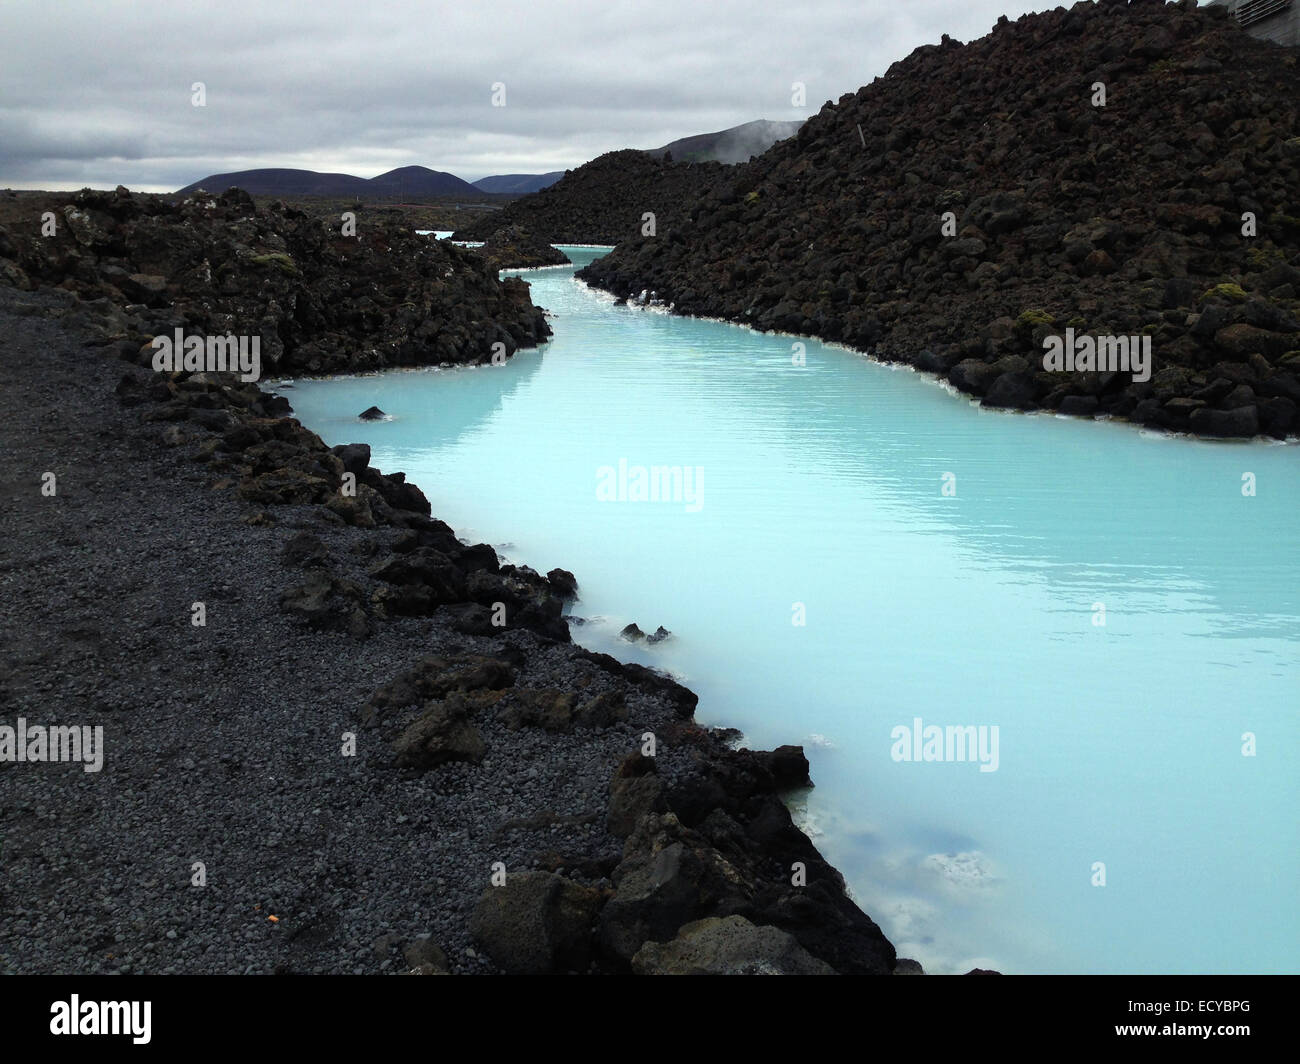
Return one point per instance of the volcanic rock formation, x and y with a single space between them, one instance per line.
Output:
1121 170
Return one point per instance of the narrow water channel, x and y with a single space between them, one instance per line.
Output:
1104 604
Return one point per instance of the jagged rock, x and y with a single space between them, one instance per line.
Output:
972 375
562 711
354 456
435 677
372 413
398 493
305 550
1243 340
629 800
1277 417
542 708
564 583
668 877
442 733
355 509
323 601
513 247
635 791
471 619
731 805
601 710
1079 405
1242 422
728 946
13 275
786 765
537 923
528 597
1014 390
1241 395
427 568
285 487
477 556
665 686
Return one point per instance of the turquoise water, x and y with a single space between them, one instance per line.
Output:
822 485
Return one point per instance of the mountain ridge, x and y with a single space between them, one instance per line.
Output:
517 184
283 181
734 145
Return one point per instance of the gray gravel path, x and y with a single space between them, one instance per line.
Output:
223 743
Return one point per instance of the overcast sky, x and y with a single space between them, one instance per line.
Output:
98 92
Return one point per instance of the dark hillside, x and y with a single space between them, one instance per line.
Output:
320 301
1123 219
602 202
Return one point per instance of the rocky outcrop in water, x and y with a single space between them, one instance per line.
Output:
606 200
633 634
319 301
513 248
979 199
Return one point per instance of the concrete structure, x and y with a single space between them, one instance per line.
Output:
1274 20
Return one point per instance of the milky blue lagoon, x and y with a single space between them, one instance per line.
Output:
822 486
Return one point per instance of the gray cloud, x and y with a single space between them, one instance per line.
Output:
98 92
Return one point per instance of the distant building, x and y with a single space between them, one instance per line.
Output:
1274 20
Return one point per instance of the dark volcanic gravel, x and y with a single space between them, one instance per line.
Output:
231 743
224 742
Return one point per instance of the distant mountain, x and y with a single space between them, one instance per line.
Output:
603 201
282 183
517 184
406 182
733 145
410 181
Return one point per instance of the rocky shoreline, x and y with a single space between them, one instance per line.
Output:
372 721
514 248
357 292
1110 170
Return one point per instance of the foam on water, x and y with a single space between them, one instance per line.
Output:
821 486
